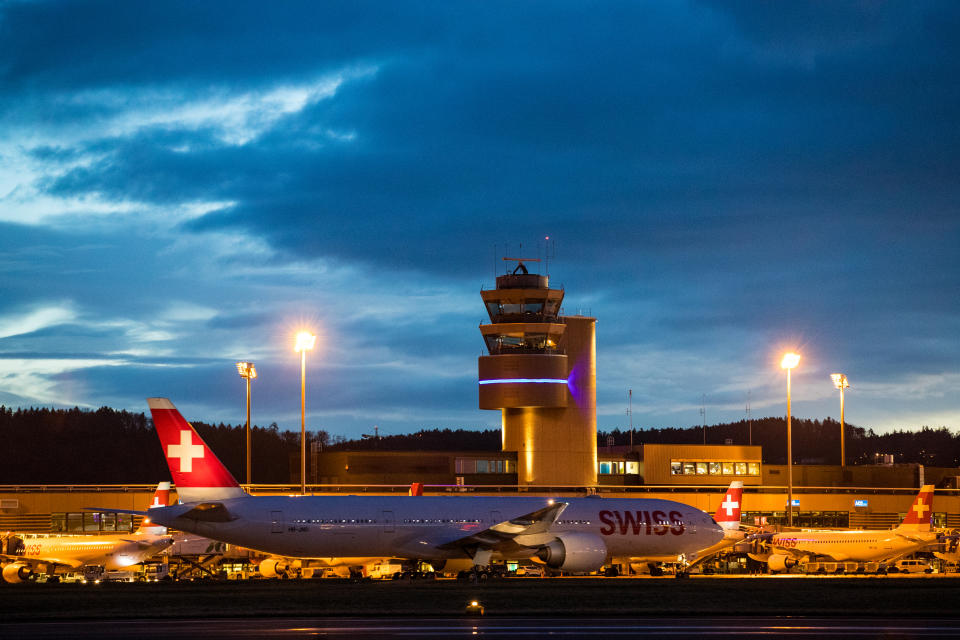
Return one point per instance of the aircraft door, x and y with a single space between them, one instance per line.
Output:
276 522
388 521
495 518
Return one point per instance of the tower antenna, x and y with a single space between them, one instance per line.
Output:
749 419
630 413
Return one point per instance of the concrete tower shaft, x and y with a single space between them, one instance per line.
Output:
541 374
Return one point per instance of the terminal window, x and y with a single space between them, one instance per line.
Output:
90 522
613 466
472 465
705 468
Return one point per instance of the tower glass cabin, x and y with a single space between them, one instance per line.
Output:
541 374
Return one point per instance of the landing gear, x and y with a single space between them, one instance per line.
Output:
480 574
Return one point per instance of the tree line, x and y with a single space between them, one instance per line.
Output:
107 446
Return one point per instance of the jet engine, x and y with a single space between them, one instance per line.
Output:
274 568
574 551
17 572
780 562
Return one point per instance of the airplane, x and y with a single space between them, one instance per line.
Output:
576 535
727 517
25 559
914 533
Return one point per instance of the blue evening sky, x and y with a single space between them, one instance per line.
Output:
185 184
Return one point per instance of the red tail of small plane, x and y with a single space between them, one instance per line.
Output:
416 489
728 513
920 515
197 472
161 498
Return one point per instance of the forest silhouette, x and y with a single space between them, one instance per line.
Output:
107 446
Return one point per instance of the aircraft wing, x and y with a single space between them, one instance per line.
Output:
918 539
206 511
530 529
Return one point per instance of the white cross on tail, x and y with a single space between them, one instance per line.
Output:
186 451
730 504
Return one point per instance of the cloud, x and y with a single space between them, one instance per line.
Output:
35 319
191 184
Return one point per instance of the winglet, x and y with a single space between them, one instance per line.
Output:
919 516
197 472
728 513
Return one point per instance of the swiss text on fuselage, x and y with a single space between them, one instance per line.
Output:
641 522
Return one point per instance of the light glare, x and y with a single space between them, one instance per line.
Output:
790 360
305 341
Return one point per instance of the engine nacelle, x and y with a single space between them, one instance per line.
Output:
17 572
274 568
780 562
575 551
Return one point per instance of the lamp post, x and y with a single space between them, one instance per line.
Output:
840 382
305 342
790 360
248 372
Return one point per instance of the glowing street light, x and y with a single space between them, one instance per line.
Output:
249 372
790 360
305 342
840 382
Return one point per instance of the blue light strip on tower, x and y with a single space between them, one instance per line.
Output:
525 381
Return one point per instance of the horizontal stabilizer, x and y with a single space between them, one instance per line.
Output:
132 512
209 512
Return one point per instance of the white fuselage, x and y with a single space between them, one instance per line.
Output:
111 551
851 545
414 527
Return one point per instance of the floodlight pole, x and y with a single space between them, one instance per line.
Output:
248 432
789 458
790 360
303 422
248 372
843 452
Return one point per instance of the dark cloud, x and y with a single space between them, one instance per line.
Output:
719 176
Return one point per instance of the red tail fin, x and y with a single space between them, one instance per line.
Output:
921 511
161 498
728 513
197 472
416 489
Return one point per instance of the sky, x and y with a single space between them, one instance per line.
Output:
184 185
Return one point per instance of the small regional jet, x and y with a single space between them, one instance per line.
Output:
914 533
569 534
24 559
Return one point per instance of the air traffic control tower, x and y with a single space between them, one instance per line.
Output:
541 373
